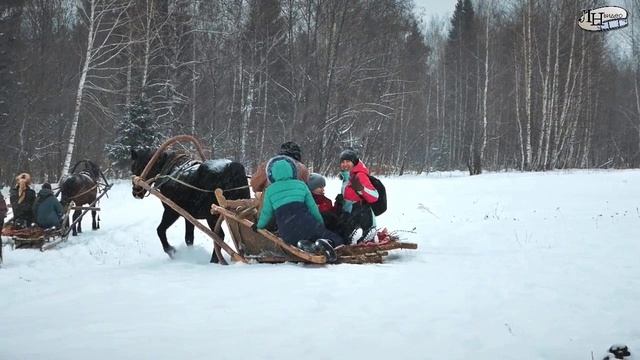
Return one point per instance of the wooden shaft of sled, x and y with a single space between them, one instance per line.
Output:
94 208
222 201
216 239
86 210
165 145
216 248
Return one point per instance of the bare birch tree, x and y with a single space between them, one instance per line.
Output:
104 19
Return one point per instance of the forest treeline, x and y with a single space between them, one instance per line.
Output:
498 85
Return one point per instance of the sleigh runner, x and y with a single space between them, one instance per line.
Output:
265 247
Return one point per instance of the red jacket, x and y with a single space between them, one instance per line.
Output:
324 203
369 193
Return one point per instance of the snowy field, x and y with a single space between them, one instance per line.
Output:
509 266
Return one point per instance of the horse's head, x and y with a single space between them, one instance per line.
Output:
139 160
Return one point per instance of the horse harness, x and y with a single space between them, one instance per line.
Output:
163 176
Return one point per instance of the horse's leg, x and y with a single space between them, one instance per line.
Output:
77 227
95 225
67 220
211 221
188 232
169 216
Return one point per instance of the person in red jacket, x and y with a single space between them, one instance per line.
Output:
329 213
357 193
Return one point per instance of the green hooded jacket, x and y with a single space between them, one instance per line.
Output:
285 188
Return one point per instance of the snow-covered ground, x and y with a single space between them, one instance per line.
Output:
509 266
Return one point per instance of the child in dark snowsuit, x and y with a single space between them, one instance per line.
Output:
296 214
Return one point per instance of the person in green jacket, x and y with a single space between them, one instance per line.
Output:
47 209
297 216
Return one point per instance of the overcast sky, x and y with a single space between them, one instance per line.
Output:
427 8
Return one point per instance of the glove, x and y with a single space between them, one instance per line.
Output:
339 199
254 227
356 184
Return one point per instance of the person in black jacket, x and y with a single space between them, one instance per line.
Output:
22 198
47 209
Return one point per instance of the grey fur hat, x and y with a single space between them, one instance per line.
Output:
316 181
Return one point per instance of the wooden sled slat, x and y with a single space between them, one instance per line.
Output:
365 249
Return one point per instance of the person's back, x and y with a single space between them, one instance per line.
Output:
47 209
22 198
290 201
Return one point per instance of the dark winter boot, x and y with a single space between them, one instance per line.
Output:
619 351
327 250
307 246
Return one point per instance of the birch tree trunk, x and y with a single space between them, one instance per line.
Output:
551 130
528 72
147 44
521 141
105 18
83 76
483 140
546 104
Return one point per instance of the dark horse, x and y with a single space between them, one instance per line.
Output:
172 171
81 187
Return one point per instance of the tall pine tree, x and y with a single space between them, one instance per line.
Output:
137 129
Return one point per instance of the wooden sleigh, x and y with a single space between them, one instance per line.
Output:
45 239
265 247
36 237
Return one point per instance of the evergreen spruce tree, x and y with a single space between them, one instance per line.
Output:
137 129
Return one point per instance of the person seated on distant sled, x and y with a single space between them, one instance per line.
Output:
22 198
47 209
356 217
328 211
3 212
297 216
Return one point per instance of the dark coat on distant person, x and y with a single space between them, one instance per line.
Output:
47 209
22 210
